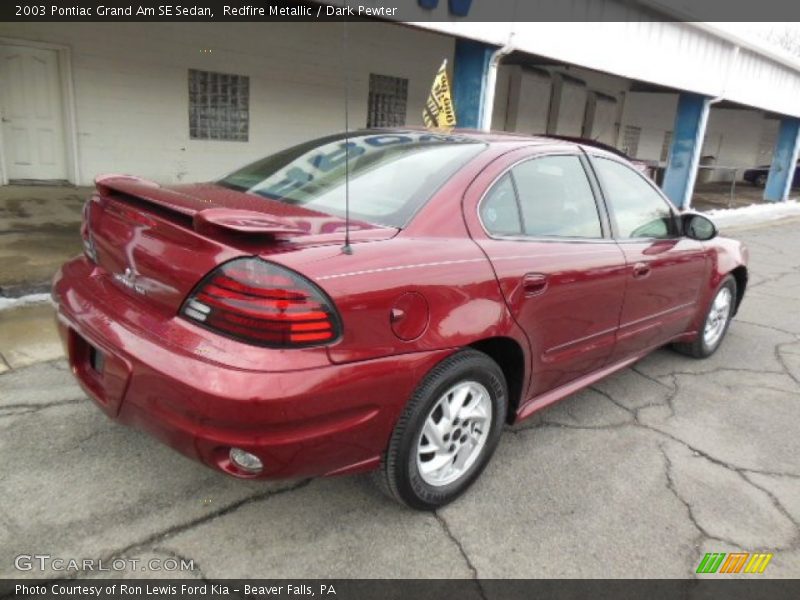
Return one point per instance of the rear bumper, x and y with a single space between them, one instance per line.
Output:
326 419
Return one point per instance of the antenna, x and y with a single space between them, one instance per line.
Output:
347 249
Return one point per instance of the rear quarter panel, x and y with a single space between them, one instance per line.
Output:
433 256
458 285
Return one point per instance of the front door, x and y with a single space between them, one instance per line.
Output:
32 114
664 269
559 270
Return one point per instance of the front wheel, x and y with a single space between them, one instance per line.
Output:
447 432
716 323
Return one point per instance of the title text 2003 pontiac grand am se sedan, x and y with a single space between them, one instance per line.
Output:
488 276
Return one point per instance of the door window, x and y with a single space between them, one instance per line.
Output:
556 199
639 210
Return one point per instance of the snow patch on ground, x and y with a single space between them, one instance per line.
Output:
753 214
6 303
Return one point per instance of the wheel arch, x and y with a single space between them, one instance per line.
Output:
740 275
510 357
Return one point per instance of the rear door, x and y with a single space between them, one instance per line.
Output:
536 216
664 270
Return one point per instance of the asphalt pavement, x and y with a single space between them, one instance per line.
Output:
639 476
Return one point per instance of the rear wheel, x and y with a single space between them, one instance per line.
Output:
447 432
716 323
760 180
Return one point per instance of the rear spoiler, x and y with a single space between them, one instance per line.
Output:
146 190
205 220
244 222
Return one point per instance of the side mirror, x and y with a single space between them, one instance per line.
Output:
698 227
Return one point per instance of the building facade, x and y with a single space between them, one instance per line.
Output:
180 102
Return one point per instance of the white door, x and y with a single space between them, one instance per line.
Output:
31 112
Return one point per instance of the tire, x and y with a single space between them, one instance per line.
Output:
760 180
414 477
705 344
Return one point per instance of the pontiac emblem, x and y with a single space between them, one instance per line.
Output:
128 279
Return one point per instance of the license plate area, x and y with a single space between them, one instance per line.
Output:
96 359
102 374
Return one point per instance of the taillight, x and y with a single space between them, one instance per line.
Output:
262 303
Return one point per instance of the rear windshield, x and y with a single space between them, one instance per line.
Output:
390 175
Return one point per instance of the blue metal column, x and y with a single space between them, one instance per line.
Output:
469 81
784 159
684 152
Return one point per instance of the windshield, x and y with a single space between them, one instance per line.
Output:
390 175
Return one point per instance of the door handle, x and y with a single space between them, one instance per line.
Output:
4 120
534 284
641 270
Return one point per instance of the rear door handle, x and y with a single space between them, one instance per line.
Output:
534 284
641 270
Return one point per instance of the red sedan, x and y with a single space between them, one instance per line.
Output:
486 277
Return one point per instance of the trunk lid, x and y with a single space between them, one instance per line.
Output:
157 242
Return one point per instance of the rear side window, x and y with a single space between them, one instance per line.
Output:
639 211
556 199
500 210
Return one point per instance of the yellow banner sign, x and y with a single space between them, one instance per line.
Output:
439 112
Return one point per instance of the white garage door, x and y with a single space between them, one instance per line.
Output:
572 108
528 101
603 119
31 111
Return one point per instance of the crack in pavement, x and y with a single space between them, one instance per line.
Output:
772 279
740 471
635 369
795 543
772 474
779 357
772 327
153 540
672 488
715 370
760 242
86 438
556 425
633 412
32 407
470 565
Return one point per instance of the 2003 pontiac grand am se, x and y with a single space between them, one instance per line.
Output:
486 277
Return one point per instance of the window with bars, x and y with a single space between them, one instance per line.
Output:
630 140
219 106
665 146
388 97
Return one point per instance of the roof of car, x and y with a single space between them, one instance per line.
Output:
513 138
507 138
487 136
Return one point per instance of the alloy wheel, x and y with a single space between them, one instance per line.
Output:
454 433
718 317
